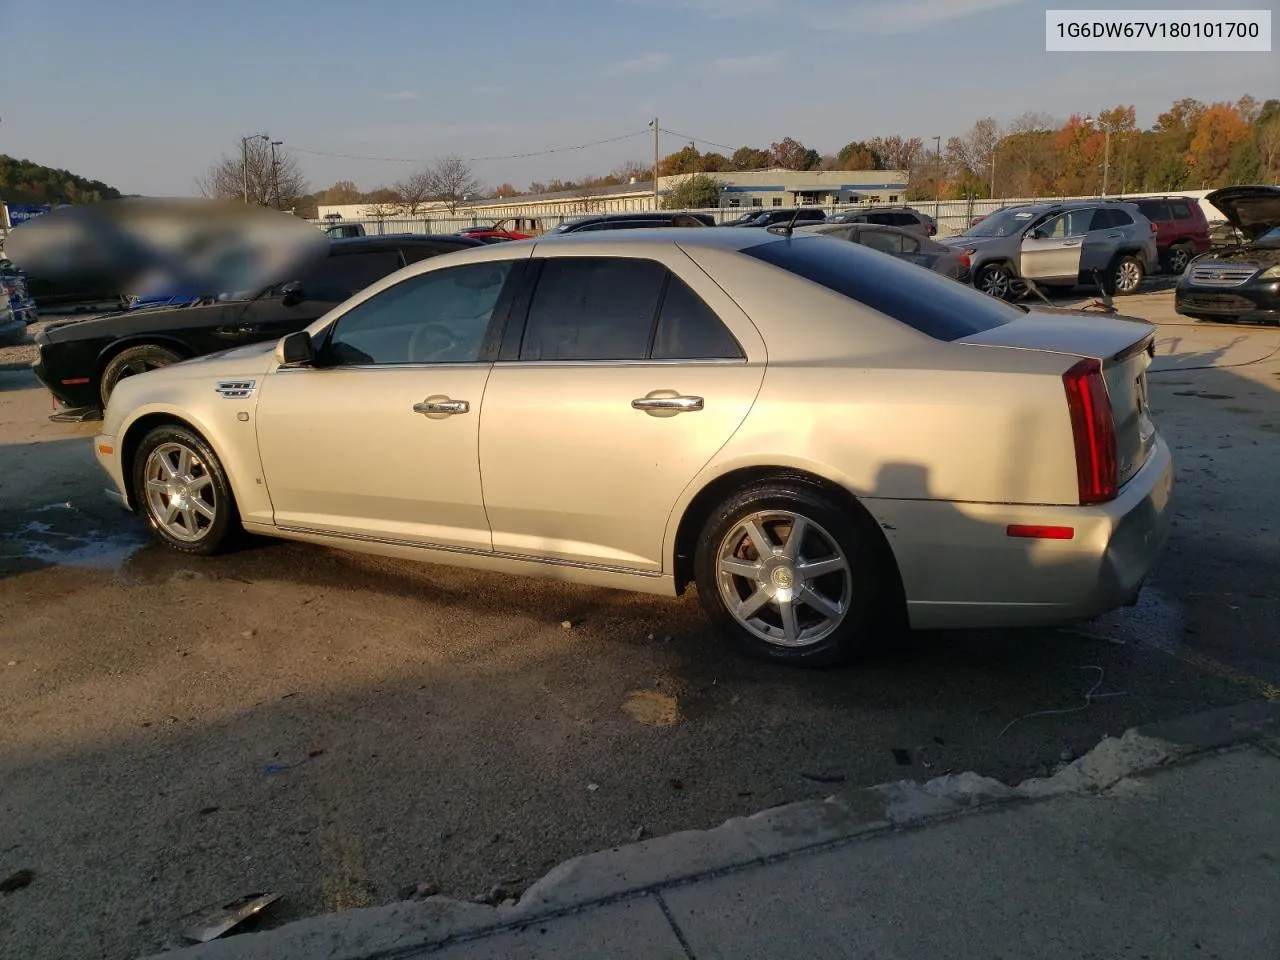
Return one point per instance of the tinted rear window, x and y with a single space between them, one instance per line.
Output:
1181 210
921 299
1154 210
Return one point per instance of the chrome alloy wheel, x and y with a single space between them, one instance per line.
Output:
1178 259
995 282
784 578
180 494
1128 276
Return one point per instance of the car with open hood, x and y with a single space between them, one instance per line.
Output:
824 439
1242 281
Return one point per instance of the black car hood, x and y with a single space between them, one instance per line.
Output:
73 328
1251 210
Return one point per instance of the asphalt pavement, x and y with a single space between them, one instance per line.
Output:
344 730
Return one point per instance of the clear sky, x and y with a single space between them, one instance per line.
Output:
144 94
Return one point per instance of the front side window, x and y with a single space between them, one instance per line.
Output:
344 275
1073 223
438 317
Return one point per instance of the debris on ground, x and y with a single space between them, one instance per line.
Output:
18 880
212 922
652 708
495 895
567 624
902 756
824 776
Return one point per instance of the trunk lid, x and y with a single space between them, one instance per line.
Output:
1124 347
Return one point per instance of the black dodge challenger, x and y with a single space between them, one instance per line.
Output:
81 361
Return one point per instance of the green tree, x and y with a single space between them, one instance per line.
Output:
22 181
694 192
685 160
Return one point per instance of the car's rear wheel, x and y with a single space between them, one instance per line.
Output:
1126 276
182 489
1177 258
790 574
134 360
996 280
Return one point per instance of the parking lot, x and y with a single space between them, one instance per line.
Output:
341 729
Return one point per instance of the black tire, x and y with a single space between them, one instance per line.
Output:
1176 259
1125 276
126 363
997 280
210 534
831 527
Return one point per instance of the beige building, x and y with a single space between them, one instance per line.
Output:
741 191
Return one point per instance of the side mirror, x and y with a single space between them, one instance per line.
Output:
296 350
291 294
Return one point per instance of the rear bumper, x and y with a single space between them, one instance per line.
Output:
960 568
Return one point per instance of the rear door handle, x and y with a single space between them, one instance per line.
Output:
1072 243
239 330
441 407
668 404
1114 236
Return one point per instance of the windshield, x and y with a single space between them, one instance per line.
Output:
1003 223
1271 236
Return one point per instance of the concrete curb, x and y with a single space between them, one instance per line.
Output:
411 927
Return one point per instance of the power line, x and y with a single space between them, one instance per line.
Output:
710 143
512 156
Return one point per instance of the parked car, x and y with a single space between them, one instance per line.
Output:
901 243
82 361
502 230
13 328
778 215
1240 282
344 231
1182 229
742 220
890 216
632 221
13 284
822 438
1060 244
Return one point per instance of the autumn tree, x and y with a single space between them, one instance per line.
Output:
1267 134
858 156
789 154
249 173
1218 130
505 190
751 158
685 160
344 191
897 153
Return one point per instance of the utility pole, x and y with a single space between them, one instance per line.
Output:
654 124
275 172
993 173
1106 160
937 178
244 160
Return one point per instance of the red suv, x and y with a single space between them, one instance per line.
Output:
1182 230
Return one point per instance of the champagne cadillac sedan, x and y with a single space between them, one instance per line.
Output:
819 437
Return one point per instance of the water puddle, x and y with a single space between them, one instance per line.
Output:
95 548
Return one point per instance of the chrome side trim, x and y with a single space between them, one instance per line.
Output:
472 551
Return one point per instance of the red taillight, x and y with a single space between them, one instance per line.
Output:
964 259
1094 430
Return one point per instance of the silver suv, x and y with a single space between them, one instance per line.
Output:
1060 245
904 217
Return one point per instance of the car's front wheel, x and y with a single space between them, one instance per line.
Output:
180 485
996 280
134 360
790 574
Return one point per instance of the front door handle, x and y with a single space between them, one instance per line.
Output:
239 330
668 404
1072 243
441 407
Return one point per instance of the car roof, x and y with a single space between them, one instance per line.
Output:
397 240
730 238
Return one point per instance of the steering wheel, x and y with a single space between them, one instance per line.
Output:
429 341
